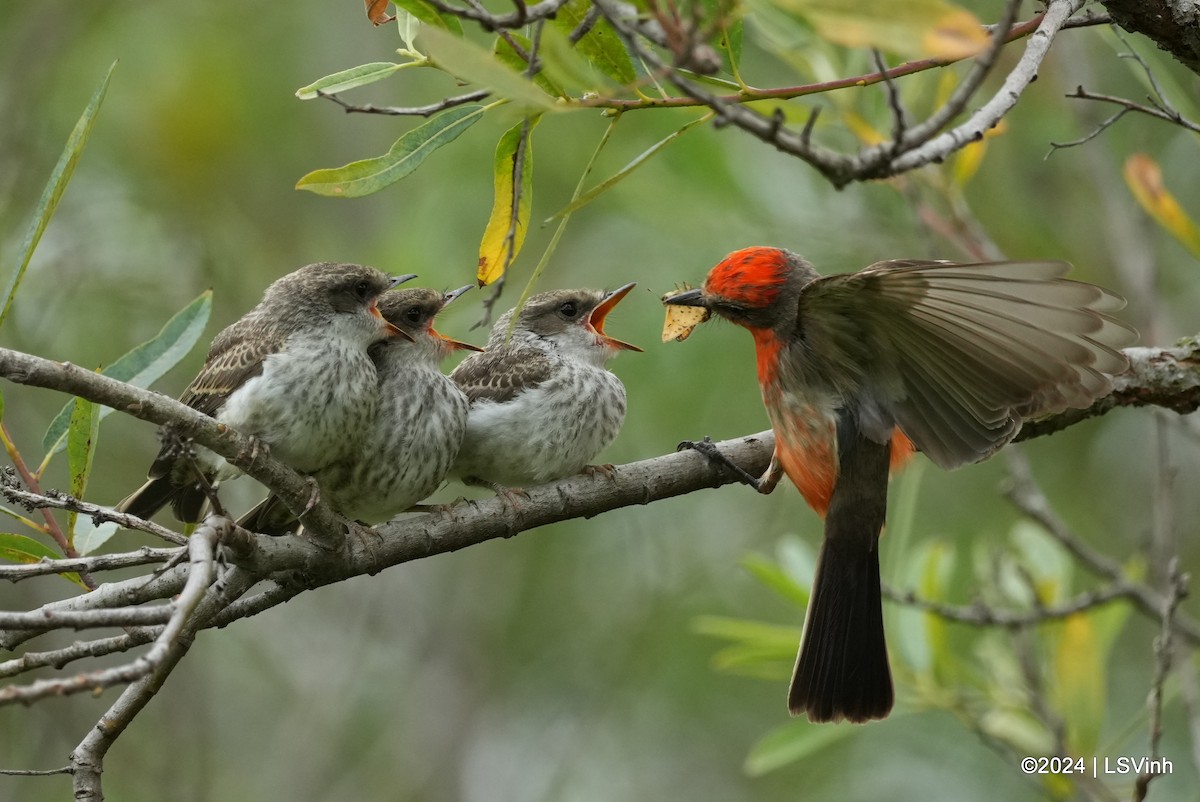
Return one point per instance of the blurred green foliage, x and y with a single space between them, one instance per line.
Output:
576 662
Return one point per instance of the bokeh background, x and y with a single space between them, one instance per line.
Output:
562 664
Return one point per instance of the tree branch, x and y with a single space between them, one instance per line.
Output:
241 452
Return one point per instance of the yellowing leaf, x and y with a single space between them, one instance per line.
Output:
866 133
970 156
1144 178
510 209
910 28
26 550
955 34
1079 683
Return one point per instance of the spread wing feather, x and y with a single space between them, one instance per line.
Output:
958 354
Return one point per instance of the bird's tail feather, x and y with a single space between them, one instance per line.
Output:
842 669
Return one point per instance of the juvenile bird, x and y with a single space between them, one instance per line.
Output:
857 370
293 373
542 403
411 441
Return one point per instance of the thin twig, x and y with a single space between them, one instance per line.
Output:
1163 654
1027 497
96 562
62 501
406 111
982 615
78 651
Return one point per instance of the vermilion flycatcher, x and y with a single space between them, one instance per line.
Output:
410 442
293 372
542 403
856 370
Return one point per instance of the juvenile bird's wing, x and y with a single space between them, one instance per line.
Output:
236 356
958 354
501 375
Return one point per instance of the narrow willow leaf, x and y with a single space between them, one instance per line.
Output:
26 550
913 28
601 45
1079 683
143 365
464 59
348 79
510 58
563 64
371 175
514 153
408 26
769 573
1145 181
431 16
81 448
638 161
790 742
52 194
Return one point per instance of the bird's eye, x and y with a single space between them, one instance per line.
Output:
363 290
413 315
568 309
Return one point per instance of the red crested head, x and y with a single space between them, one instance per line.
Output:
751 278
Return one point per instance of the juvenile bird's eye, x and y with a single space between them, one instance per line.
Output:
568 309
363 290
413 315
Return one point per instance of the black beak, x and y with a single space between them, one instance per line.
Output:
688 298
450 296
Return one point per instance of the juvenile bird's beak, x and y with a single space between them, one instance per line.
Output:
596 318
388 328
450 341
688 298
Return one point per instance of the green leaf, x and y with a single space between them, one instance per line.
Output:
145 364
514 152
747 631
89 537
774 577
730 45
624 172
371 175
26 550
348 79
431 16
790 742
601 45
510 58
23 519
81 448
407 26
464 59
52 194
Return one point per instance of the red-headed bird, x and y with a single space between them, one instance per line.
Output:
857 370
